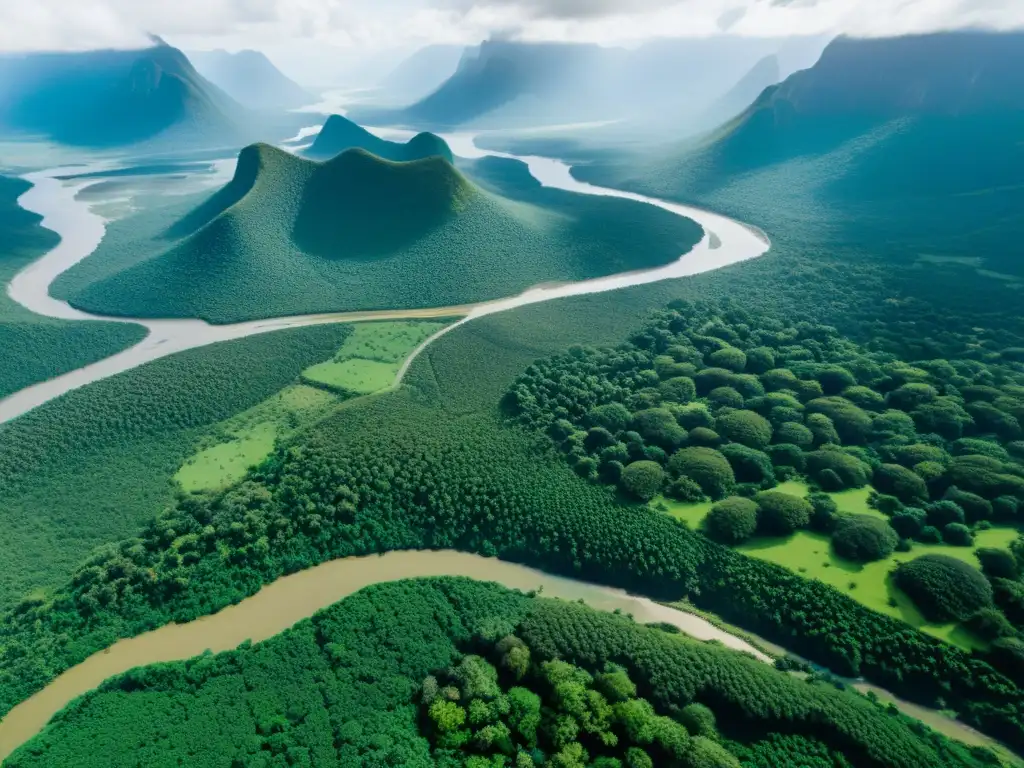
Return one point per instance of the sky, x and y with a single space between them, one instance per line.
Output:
303 36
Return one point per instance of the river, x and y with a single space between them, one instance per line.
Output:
293 598
81 229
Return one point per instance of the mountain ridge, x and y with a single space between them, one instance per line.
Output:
251 78
339 134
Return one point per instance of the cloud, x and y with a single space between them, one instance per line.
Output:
372 24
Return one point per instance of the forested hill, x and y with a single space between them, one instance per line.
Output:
339 134
455 672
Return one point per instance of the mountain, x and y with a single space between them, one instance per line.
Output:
421 73
340 134
291 236
114 97
508 84
913 141
250 78
762 75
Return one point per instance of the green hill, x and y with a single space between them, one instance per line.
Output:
291 236
339 134
114 97
911 142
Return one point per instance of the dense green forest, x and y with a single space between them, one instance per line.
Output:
291 236
37 348
460 673
92 466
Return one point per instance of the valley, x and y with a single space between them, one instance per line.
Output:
301 436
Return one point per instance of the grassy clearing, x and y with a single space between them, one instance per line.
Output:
371 357
251 437
810 554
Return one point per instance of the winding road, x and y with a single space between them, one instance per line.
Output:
81 229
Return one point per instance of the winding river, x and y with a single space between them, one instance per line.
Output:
81 229
293 598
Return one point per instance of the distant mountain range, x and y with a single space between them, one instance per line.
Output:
421 73
918 140
505 84
114 97
250 78
339 134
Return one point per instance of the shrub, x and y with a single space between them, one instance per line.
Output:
989 624
702 436
706 467
659 426
747 428
850 471
901 482
942 513
730 358
834 379
693 416
725 397
702 752
824 512
908 522
643 479
944 417
614 417
598 438
929 471
930 535
679 389
779 514
985 476
911 455
892 423
712 378
958 535
779 378
794 433
968 446
853 424
732 520
823 429
944 588
685 490
787 455
997 563
698 720
863 538
1005 509
1009 596
975 508
749 465
864 397
1007 655
760 359
910 396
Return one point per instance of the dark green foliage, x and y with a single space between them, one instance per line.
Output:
704 437
108 452
291 236
699 720
680 389
1007 655
901 482
725 397
706 467
848 470
37 348
749 465
745 427
658 427
794 433
779 514
732 520
824 512
944 588
852 423
997 563
643 479
728 357
958 534
989 624
975 508
1009 596
612 416
863 538
908 522
942 513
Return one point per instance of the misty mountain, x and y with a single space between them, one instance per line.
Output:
420 74
910 138
508 84
250 78
114 97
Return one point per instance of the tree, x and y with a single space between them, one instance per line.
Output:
476 678
908 522
997 563
614 417
958 535
705 753
746 428
524 714
706 467
725 397
732 520
699 720
825 512
730 358
615 685
901 482
823 429
910 396
643 479
944 588
863 538
989 624
659 426
780 514
679 389
851 471
852 423
795 434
